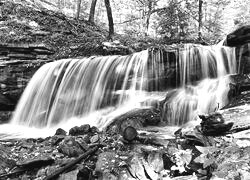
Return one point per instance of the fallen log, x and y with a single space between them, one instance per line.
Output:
71 164
130 134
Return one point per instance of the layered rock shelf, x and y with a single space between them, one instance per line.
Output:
15 75
33 51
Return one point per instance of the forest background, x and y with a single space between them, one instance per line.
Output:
166 20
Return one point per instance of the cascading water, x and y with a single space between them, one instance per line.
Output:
94 90
206 67
77 87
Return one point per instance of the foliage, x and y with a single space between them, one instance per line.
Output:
167 20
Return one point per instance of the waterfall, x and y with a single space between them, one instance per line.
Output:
76 87
208 67
94 90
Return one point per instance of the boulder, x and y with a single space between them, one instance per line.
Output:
214 124
60 131
70 147
5 116
136 118
83 129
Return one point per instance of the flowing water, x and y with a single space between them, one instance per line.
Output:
94 90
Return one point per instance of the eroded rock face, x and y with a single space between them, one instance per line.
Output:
240 36
15 75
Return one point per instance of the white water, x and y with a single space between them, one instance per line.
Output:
94 90
208 95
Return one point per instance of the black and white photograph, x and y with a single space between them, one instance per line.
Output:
124 89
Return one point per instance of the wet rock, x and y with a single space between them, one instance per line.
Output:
193 136
82 143
60 131
70 147
5 116
56 139
84 173
136 118
83 129
86 138
72 175
94 129
214 124
95 138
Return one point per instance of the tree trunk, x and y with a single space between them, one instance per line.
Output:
78 8
59 4
92 11
110 19
150 3
200 19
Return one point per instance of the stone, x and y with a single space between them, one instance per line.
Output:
136 118
95 138
86 138
5 116
83 129
60 131
57 139
94 129
194 136
84 173
82 143
72 175
214 124
70 147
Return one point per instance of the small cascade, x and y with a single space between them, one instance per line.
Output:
94 90
208 67
199 62
187 102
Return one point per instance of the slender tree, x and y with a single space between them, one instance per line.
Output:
110 19
78 9
150 8
92 11
200 19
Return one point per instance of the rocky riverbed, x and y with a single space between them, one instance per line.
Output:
87 153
